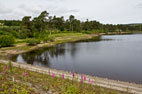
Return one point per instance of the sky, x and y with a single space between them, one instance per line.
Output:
104 11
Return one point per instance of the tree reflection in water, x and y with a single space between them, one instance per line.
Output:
43 56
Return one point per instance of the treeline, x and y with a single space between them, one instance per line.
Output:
10 22
42 27
54 23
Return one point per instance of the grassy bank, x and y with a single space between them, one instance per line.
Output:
21 46
19 81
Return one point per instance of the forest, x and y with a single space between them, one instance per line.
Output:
45 25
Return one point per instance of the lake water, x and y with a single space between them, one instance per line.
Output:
117 57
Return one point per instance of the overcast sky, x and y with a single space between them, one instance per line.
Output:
105 11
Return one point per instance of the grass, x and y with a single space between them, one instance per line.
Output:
21 45
20 41
14 81
68 34
63 35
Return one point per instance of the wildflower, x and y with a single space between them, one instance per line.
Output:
25 73
89 81
84 78
53 74
92 81
63 76
81 76
7 67
81 81
49 72
73 74
4 68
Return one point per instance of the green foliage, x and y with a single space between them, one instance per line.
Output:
0 77
43 25
10 66
6 40
22 35
14 33
26 26
48 38
45 87
3 33
24 92
51 38
13 30
9 28
10 22
41 35
72 90
39 23
33 41
45 39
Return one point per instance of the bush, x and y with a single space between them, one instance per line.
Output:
45 39
6 40
51 38
23 34
15 34
32 42
40 35
3 33
10 28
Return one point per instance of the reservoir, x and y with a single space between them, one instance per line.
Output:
117 57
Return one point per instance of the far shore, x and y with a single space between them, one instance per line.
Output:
7 52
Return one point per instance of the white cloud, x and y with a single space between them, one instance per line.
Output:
4 9
105 11
138 6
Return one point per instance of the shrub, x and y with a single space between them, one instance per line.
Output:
45 39
3 33
33 41
23 34
15 34
6 40
40 35
51 38
10 28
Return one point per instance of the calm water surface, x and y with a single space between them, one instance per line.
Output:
116 57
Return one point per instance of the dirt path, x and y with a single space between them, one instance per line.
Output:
102 82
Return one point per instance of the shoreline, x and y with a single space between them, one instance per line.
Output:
7 52
102 82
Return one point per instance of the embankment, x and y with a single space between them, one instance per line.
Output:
102 82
